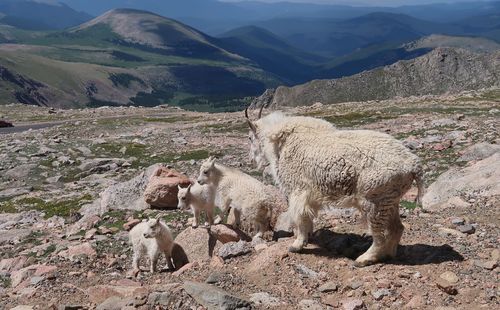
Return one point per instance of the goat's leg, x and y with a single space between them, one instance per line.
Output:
301 213
153 257
379 222
210 216
196 217
169 261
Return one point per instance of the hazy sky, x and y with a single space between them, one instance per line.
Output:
366 2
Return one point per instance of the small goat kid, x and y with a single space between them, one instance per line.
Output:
199 198
249 197
152 238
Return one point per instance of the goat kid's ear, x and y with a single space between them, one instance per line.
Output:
212 160
158 217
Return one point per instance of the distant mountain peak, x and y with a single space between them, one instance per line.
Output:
150 29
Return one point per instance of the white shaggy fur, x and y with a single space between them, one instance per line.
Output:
249 198
315 166
152 238
199 198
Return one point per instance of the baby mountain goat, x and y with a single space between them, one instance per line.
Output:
249 198
151 238
199 198
315 166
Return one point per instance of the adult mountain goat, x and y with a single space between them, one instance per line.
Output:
315 165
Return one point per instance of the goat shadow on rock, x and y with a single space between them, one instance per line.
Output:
334 245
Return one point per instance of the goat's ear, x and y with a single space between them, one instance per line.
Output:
279 136
212 160
178 187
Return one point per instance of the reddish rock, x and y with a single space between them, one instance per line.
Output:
81 249
224 233
266 258
125 282
13 264
443 146
130 224
185 268
197 244
216 262
90 233
353 304
417 302
161 190
18 276
99 293
446 286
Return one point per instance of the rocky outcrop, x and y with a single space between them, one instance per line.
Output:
127 195
480 178
441 71
161 190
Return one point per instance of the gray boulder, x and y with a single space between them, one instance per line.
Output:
479 151
480 179
214 298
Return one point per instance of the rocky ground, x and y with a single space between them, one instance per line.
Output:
70 190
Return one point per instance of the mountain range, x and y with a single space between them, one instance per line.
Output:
442 71
135 57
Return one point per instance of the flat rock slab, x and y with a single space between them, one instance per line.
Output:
214 298
99 293
13 235
481 177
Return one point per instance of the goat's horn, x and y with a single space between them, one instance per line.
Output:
261 109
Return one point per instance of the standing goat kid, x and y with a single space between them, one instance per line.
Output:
199 198
152 238
249 198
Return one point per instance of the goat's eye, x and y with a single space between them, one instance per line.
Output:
205 172
183 198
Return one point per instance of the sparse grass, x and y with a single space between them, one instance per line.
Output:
113 219
172 119
114 149
409 205
8 206
64 208
225 127
5 281
356 118
49 250
33 238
